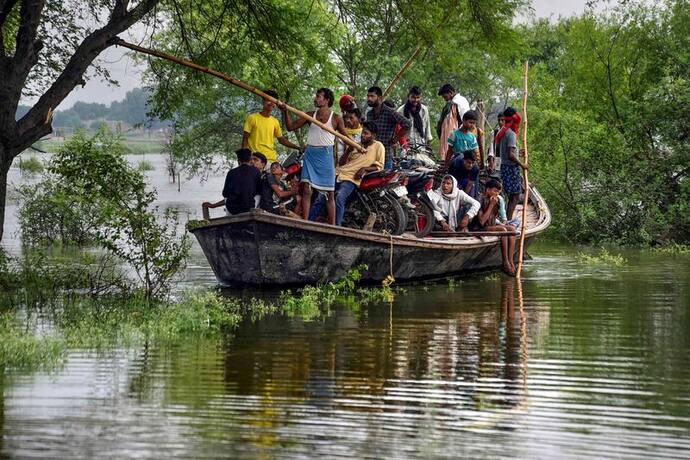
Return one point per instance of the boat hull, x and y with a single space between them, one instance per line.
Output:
257 248
262 253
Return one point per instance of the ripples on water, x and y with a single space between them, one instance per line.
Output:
593 363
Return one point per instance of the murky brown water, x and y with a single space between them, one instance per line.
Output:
594 362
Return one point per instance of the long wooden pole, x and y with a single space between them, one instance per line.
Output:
119 42
402 70
524 145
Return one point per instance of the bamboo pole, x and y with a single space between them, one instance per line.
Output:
119 42
524 145
482 127
402 70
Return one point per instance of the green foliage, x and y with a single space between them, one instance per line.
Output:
91 194
608 143
602 258
20 348
296 47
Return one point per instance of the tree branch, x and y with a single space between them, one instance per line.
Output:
73 72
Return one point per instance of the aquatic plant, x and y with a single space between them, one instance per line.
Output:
30 166
602 258
20 348
674 249
145 165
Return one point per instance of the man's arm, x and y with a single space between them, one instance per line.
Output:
427 126
405 124
339 125
289 124
245 140
217 204
512 155
282 193
449 156
283 140
484 215
480 146
475 208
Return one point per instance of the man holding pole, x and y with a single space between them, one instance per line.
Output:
318 166
511 166
261 128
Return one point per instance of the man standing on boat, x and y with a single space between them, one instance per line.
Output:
451 116
418 114
318 166
386 119
511 166
261 128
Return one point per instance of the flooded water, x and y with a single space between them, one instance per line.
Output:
579 360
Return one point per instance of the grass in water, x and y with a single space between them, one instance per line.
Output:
31 165
145 165
602 258
673 249
80 318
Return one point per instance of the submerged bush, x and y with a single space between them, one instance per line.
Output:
91 195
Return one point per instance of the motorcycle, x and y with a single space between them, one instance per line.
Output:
374 206
419 169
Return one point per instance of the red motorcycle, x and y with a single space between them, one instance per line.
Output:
375 206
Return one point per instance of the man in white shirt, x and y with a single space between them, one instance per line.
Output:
451 115
447 92
418 114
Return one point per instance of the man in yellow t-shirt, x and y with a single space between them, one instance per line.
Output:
260 130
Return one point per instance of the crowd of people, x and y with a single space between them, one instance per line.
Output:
335 168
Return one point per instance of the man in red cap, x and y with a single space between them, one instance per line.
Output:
347 103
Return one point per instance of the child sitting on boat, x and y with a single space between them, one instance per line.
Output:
489 219
277 196
453 208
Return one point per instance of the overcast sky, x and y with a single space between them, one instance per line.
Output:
123 69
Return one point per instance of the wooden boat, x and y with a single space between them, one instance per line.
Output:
259 248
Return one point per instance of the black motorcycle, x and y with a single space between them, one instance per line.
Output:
419 169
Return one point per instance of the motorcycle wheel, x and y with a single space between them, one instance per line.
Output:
390 216
421 219
394 217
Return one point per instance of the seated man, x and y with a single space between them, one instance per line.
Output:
453 208
465 170
489 218
242 184
351 168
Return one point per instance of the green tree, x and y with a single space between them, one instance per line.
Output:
608 135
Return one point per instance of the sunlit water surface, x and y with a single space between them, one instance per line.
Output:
577 361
